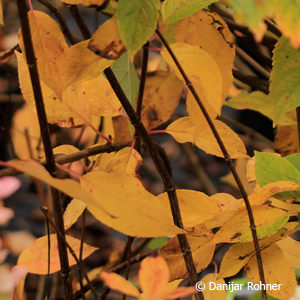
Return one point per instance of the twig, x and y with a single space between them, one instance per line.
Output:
273 27
198 170
227 158
80 266
253 81
251 62
82 233
298 123
128 256
90 151
80 22
164 172
98 282
57 208
65 29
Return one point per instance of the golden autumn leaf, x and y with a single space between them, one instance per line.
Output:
84 2
267 220
213 293
195 207
120 284
73 211
35 257
161 97
25 119
107 41
202 247
153 278
286 140
210 32
238 255
290 249
183 131
131 208
122 132
66 74
127 160
277 271
206 77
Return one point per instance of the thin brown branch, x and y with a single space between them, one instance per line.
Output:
118 268
165 174
90 151
227 159
252 63
65 29
253 81
80 21
298 123
37 91
79 263
128 256
198 169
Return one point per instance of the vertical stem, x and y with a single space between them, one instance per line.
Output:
227 159
80 22
298 123
57 209
161 166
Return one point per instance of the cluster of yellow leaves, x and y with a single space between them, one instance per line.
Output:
68 76
153 278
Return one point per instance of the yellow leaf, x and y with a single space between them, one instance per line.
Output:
267 220
73 211
262 194
290 249
84 2
210 32
120 284
277 271
213 293
202 250
26 119
35 257
180 292
153 277
103 102
183 131
66 74
206 77
131 208
238 255
68 186
286 140
127 160
107 41
161 97
121 129
1 14
195 207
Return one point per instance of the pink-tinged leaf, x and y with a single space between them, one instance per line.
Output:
5 215
8 185
120 284
153 276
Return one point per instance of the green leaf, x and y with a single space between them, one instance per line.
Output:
270 167
157 243
137 20
175 10
285 78
126 74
